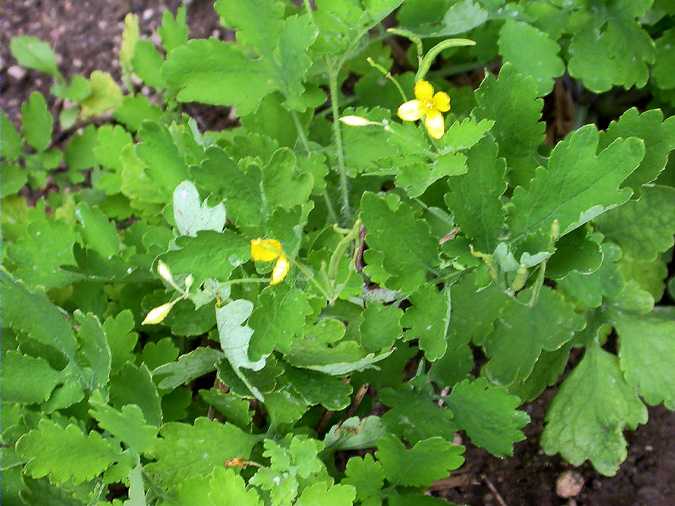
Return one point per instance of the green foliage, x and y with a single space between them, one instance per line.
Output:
148 341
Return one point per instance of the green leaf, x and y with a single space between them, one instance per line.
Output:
532 52
188 367
657 134
227 488
547 371
355 433
366 475
342 22
488 415
475 198
133 385
607 282
160 352
411 252
164 163
130 37
110 141
37 121
459 17
578 184
252 194
523 332
663 71
147 63
465 134
217 73
428 320
121 338
192 215
599 57
258 22
646 354
643 228
10 143
380 327
136 488
35 315
415 416
134 110
94 347
328 495
97 231
127 424
34 54
174 31
185 451
511 102
27 379
576 253
278 317
208 255
429 460
589 413
234 410
235 338
66 455
105 95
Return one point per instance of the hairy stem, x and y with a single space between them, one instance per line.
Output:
337 133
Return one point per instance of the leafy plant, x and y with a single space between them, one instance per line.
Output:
223 317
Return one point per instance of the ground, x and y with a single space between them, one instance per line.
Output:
86 34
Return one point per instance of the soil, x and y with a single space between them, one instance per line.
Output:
87 33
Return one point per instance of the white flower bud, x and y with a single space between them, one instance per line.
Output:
357 121
164 271
157 315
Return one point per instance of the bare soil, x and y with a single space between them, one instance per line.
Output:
87 33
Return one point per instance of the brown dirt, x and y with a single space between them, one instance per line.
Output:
86 34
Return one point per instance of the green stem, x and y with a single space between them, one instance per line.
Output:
387 75
305 144
431 55
310 277
337 133
310 11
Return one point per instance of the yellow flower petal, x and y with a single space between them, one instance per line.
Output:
157 315
424 90
435 124
442 101
410 110
280 270
265 250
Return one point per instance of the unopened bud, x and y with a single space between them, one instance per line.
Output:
157 315
164 271
356 121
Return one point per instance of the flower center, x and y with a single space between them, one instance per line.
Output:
427 106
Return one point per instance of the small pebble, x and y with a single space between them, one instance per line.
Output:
649 448
147 14
16 72
569 484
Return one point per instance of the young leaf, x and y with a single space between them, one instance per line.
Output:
578 184
192 215
94 347
97 231
174 30
590 411
366 475
164 163
328 495
34 54
105 95
10 146
66 455
235 338
488 415
37 121
229 488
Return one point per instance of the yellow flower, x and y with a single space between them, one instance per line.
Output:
267 250
427 105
